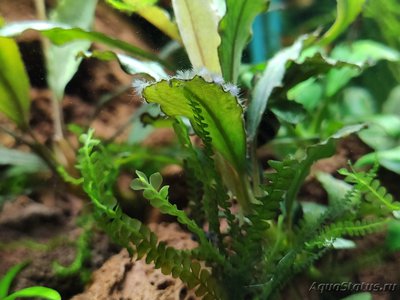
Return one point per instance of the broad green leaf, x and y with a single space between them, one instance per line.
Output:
308 93
129 64
289 111
357 104
364 53
61 34
393 236
6 280
75 13
220 109
390 159
156 180
14 84
35 292
382 133
271 78
198 27
235 31
30 161
392 104
149 11
347 12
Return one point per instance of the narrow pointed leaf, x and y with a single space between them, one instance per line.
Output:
35 292
235 30
198 27
7 279
271 79
14 84
347 12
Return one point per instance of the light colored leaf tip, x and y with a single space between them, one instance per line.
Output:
139 85
209 77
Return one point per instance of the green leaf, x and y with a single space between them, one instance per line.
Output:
359 296
364 53
198 26
221 111
156 180
60 34
335 188
14 84
6 280
393 236
392 104
129 64
131 5
289 111
308 93
347 12
313 153
75 13
357 104
138 185
271 78
147 9
235 31
382 133
390 159
35 291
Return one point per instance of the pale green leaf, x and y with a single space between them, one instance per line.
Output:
382 133
14 84
61 34
364 53
221 111
147 9
75 13
235 30
35 292
392 104
131 5
129 64
156 180
347 12
271 79
390 159
198 27
138 185
30 161
335 188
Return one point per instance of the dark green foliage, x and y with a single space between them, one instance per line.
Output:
274 249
